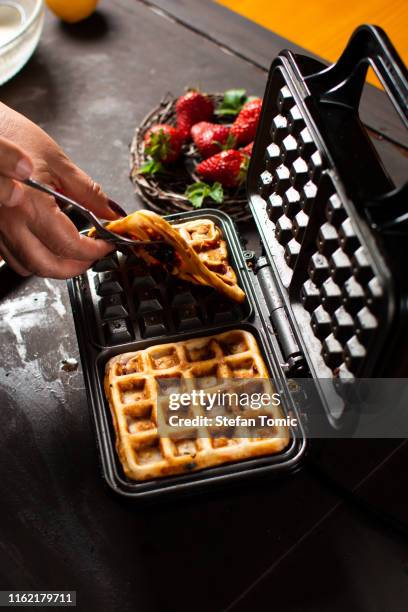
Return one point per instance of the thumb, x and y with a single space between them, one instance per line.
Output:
77 185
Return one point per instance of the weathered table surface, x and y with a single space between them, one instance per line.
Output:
288 544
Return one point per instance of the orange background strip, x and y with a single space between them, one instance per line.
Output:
325 27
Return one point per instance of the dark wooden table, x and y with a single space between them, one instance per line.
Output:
289 544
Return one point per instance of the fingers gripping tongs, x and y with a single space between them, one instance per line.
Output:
100 226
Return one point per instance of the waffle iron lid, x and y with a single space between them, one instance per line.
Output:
332 224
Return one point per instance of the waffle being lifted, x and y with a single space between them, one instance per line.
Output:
132 384
198 251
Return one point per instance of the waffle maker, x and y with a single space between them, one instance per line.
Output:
327 298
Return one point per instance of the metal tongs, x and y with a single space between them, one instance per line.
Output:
100 226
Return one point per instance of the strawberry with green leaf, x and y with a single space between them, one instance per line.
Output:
211 138
162 143
198 192
228 168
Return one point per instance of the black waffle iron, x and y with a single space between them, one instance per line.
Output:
327 297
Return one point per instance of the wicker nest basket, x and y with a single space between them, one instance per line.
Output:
165 193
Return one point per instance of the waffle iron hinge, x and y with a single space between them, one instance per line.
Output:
294 359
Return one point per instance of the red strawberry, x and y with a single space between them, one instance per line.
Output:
209 137
163 143
192 108
248 149
228 168
245 125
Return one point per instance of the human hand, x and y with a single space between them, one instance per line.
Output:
36 237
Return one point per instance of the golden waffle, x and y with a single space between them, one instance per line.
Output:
132 383
199 254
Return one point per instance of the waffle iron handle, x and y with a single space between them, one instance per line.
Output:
343 81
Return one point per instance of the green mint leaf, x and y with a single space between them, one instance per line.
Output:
196 193
217 193
196 187
196 200
232 103
226 112
151 167
234 97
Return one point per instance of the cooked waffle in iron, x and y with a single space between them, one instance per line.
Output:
198 250
132 383
206 239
